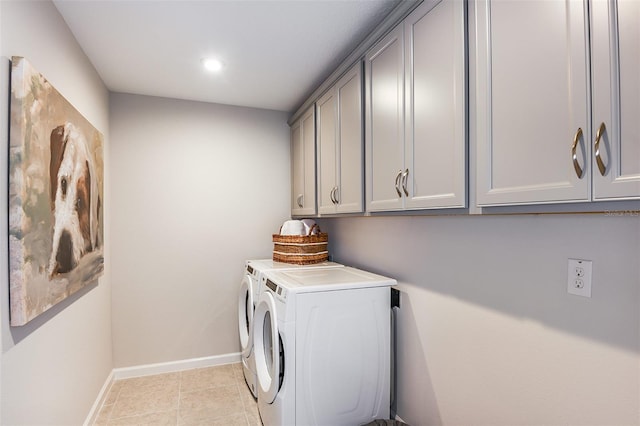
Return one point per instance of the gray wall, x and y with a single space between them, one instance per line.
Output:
487 334
53 367
198 189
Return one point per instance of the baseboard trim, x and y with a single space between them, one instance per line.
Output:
102 396
173 366
151 369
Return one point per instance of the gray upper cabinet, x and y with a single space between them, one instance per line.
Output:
303 170
435 106
615 33
532 102
340 146
384 118
415 112
536 140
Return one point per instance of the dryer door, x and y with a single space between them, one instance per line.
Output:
245 314
267 348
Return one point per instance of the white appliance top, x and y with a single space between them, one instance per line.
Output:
269 264
315 280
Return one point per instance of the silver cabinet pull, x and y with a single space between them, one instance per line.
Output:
574 156
599 133
398 183
405 175
333 195
299 200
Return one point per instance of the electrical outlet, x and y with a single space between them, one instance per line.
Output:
579 277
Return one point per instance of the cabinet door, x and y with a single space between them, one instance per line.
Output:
350 161
435 138
616 99
531 59
303 173
327 148
384 137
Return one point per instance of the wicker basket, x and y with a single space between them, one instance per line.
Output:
300 249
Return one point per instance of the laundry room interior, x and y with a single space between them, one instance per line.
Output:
488 331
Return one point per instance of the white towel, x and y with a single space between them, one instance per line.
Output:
309 225
293 227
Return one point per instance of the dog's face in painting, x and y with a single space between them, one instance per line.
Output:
75 200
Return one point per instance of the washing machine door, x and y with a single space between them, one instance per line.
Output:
245 314
268 348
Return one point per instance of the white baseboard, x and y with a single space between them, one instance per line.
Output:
97 405
151 369
173 366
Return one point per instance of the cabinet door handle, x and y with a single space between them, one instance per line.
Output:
599 133
335 196
405 175
299 200
398 183
574 156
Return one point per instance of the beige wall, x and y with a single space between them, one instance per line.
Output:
198 189
487 334
53 367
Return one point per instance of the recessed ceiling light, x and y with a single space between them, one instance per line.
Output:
212 64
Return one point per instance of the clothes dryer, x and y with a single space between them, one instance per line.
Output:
322 347
247 299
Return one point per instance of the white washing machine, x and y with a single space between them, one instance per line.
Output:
322 347
248 298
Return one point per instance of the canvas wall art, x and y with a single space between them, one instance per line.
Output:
56 227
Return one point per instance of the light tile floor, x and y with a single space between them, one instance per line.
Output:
203 396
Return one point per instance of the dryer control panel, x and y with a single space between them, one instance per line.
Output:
279 292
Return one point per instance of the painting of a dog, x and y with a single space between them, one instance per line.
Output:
75 199
55 196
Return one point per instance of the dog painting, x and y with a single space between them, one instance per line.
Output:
55 197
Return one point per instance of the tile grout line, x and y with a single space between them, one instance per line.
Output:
179 398
244 404
244 407
115 400
239 385
116 391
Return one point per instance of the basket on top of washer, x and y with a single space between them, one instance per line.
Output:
300 249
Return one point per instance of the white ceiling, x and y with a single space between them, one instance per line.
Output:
275 52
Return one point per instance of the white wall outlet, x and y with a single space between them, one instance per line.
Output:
579 281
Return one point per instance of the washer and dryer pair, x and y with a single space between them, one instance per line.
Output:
248 297
322 346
